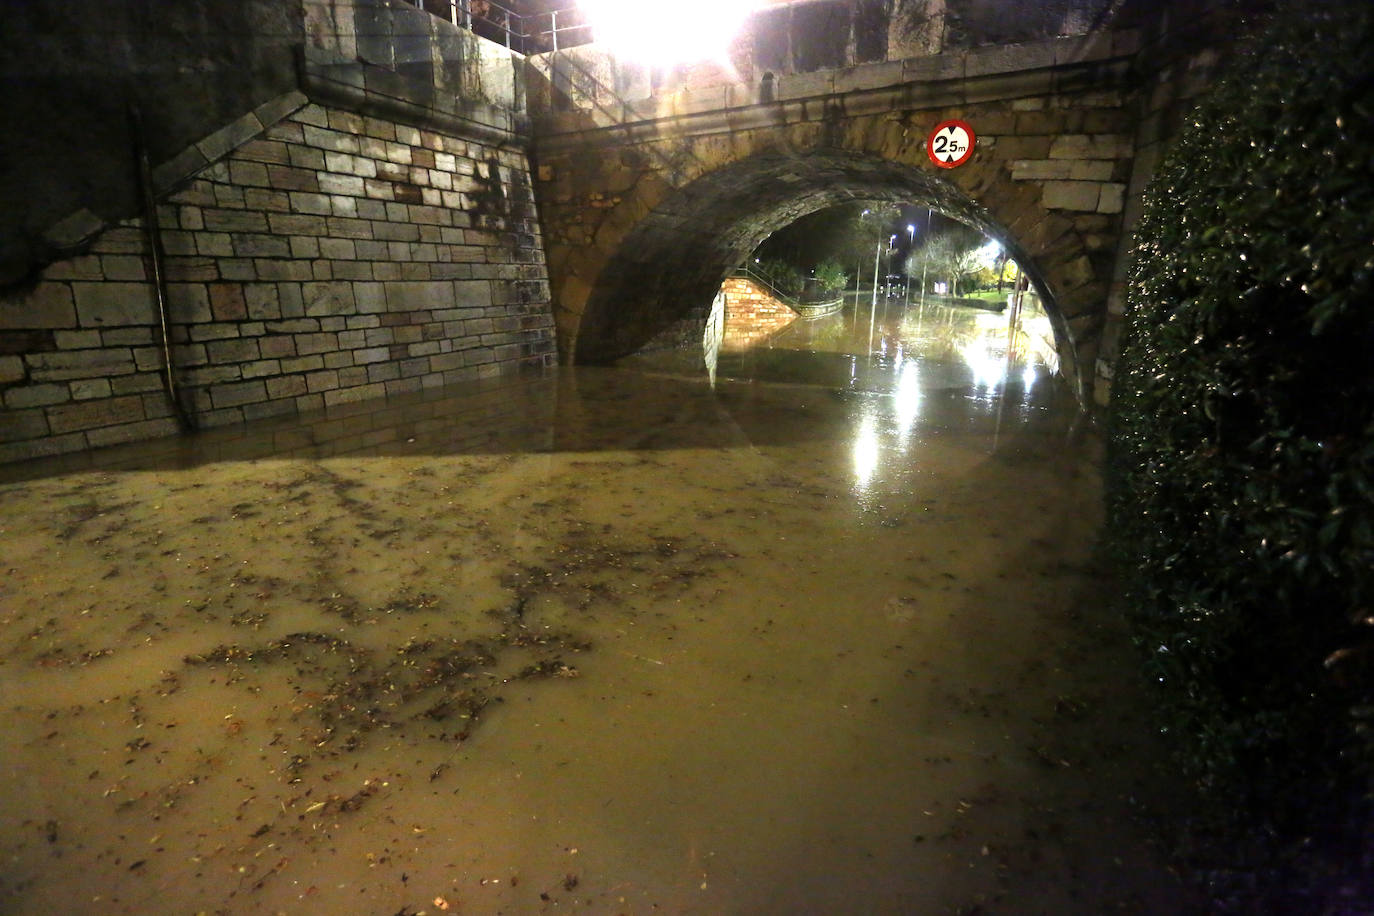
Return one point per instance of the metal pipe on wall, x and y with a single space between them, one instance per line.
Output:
154 232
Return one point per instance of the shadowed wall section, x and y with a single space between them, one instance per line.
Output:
371 231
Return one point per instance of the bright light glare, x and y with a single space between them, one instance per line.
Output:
988 370
664 33
908 396
989 253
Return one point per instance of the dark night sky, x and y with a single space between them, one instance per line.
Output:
824 234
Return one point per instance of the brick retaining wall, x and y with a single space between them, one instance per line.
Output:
334 257
751 314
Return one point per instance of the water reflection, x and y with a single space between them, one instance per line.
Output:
910 359
907 397
823 638
988 366
866 451
878 341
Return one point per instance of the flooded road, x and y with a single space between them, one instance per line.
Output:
827 637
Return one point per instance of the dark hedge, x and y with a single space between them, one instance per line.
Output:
1241 461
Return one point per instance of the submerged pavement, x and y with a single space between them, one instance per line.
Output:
828 636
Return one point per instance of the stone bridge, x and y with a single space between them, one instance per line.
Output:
652 189
357 198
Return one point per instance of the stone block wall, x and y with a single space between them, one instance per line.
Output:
333 257
1181 57
801 50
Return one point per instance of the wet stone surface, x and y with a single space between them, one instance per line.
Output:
827 637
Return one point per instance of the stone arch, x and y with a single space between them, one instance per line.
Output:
667 267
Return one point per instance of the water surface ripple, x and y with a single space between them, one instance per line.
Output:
825 637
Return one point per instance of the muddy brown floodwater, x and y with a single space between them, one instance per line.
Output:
827 637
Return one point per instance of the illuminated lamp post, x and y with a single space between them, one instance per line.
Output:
859 270
873 307
877 254
910 243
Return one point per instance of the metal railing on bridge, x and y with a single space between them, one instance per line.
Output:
745 272
526 34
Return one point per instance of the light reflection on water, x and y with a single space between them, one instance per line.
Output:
867 451
907 397
903 354
825 637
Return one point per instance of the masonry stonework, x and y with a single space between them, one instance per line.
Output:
367 225
1185 63
331 258
1072 104
675 195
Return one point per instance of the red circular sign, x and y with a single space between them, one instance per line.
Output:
950 144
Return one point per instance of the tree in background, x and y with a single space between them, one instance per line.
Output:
953 256
830 276
867 235
783 276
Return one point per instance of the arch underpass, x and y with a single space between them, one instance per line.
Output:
646 206
670 265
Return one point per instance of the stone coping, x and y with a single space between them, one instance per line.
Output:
1097 61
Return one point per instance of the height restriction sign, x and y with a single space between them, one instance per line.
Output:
950 144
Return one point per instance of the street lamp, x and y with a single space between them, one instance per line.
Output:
859 270
892 243
877 256
873 302
910 244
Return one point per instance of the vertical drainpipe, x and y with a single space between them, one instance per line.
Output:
154 232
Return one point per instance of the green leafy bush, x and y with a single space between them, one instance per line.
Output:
1241 471
830 276
784 277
